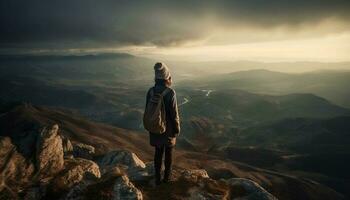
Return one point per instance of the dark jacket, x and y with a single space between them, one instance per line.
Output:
172 118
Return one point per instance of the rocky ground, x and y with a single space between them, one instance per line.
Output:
51 167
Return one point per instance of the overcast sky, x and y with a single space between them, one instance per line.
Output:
267 30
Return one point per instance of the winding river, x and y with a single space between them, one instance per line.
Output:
186 100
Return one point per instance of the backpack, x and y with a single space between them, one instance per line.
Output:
154 118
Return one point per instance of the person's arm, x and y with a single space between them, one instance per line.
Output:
174 114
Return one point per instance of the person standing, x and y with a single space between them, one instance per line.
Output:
161 119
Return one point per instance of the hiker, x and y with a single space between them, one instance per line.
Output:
161 119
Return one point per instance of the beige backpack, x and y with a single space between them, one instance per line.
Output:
154 118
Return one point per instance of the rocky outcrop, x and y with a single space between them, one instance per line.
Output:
197 185
49 153
124 175
81 150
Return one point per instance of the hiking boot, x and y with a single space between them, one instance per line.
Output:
166 181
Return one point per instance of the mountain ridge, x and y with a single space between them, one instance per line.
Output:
18 123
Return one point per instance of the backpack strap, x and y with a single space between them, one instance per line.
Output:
151 92
165 92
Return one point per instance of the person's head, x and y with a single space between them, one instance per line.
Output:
162 74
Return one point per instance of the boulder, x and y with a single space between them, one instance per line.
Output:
115 187
250 190
7 194
141 174
123 158
200 183
34 193
77 192
76 170
124 190
112 173
49 152
83 151
197 193
15 170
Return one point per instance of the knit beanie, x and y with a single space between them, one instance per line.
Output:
161 71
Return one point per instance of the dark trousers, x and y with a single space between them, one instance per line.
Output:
168 158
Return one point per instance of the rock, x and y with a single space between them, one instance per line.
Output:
49 154
112 173
34 193
124 190
197 193
77 191
250 189
83 151
150 168
67 147
128 163
188 184
195 174
75 171
141 174
199 182
7 194
123 158
109 188
15 170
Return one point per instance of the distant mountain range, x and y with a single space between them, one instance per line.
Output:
332 85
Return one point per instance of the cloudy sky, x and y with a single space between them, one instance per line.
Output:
266 30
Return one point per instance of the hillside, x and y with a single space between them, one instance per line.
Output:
223 111
21 122
301 134
314 148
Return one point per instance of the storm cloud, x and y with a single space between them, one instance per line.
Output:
91 23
